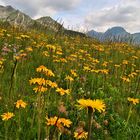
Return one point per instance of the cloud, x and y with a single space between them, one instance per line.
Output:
1 2
37 8
79 14
125 14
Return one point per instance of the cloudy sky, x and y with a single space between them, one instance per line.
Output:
84 14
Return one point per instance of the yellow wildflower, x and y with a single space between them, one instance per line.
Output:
45 53
95 71
117 66
62 92
86 68
133 100
40 89
41 68
7 116
132 75
94 104
81 135
105 64
20 103
46 71
73 72
63 60
104 71
65 122
25 36
39 81
69 78
29 49
125 62
51 84
59 52
135 57
58 122
125 79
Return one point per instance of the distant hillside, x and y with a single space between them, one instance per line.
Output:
50 23
116 34
15 17
18 18
97 35
46 24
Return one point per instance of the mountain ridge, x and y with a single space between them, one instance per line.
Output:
46 23
115 34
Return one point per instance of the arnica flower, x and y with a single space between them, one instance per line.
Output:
7 116
46 71
125 62
69 78
51 84
125 79
39 81
45 53
63 60
133 100
86 68
94 104
25 36
40 89
59 53
29 49
21 103
104 71
135 57
132 75
80 135
73 72
117 66
105 64
95 71
41 68
58 122
62 92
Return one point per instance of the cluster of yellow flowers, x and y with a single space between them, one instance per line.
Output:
102 71
58 122
129 77
42 83
45 70
9 115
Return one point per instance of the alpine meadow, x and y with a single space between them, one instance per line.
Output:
60 84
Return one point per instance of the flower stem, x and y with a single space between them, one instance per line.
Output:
90 113
129 115
12 79
39 116
6 131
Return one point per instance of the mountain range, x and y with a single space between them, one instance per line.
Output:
47 24
16 17
115 34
